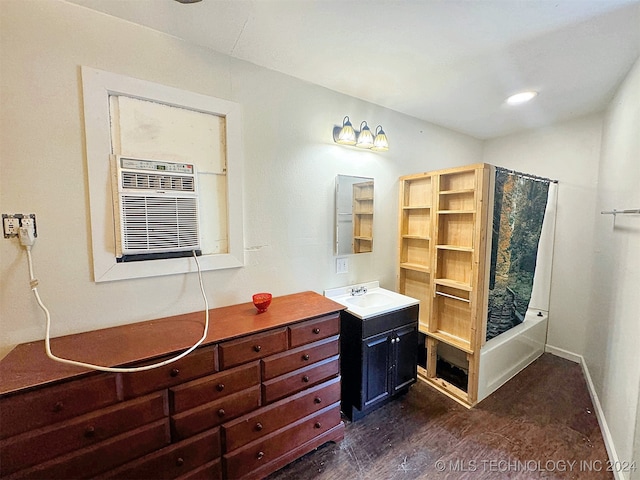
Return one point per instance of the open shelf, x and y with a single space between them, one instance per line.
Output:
445 282
416 237
452 340
456 192
455 229
442 256
362 210
416 191
415 266
454 247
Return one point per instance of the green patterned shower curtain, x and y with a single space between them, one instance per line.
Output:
519 206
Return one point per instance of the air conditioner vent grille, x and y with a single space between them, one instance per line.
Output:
159 223
151 181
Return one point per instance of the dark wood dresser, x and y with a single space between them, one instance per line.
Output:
261 391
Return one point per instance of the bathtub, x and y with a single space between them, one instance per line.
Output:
502 357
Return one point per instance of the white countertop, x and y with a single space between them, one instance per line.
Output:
376 300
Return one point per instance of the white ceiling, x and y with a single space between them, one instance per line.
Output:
450 62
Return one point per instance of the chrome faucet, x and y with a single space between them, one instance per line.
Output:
361 290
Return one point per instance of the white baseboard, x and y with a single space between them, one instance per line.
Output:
602 421
566 354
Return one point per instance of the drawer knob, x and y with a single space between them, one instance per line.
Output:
305 379
174 372
305 357
220 387
257 348
316 330
260 455
317 425
90 432
58 407
179 461
259 426
317 400
221 412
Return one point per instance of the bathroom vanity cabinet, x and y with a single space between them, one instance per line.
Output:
261 391
442 259
378 359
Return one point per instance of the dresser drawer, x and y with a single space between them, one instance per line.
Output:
212 414
174 461
213 387
196 364
37 446
26 411
210 471
298 380
260 452
268 419
91 461
252 347
312 330
300 357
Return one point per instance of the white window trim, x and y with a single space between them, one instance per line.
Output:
97 86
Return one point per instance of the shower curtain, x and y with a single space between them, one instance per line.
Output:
520 202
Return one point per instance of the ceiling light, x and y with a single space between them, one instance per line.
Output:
522 97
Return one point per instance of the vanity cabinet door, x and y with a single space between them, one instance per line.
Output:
376 367
405 357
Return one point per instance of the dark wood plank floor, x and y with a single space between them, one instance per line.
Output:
541 424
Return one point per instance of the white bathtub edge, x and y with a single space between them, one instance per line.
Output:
506 355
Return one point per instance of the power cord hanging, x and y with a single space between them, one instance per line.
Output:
27 239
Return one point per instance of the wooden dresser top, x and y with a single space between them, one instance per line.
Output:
27 365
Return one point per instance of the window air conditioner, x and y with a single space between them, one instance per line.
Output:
155 209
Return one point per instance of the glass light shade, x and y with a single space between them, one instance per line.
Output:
365 137
380 142
347 135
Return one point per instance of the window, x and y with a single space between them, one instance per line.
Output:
125 116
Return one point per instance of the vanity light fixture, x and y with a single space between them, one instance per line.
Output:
380 143
346 135
521 97
365 137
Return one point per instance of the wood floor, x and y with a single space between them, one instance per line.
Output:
541 424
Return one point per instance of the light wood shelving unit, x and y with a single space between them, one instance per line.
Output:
443 231
416 199
363 217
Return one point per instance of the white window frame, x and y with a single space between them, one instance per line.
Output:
97 86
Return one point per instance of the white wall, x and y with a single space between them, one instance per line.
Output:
613 321
568 152
290 168
596 268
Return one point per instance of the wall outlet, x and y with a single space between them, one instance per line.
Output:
342 265
11 223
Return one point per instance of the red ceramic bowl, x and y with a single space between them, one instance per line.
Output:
262 301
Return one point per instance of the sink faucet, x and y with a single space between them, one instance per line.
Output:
361 290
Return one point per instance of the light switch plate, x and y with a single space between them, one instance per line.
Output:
342 265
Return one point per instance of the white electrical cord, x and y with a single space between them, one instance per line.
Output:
27 240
